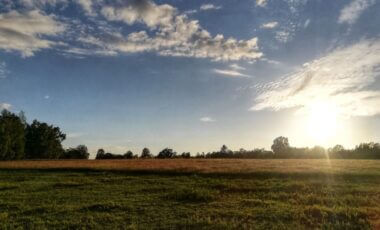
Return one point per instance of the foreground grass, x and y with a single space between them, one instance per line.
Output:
101 199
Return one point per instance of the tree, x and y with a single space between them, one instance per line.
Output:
100 154
12 136
280 145
128 155
185 155
146 153
166 153
43 141
80 152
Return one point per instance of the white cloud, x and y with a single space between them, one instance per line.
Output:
207 119
87 6
23 32
210 7
190 12
351 13
236 67
142 11
269 25
5 106
343 78
47 97
3 70
230 73
174 34
261 3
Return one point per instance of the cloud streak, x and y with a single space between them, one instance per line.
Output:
205 7
343 77
207 119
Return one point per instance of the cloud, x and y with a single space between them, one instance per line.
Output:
230 73
33 4
207 119
269 25
351 13
283 36
209 7
87 6
74 135
306 24
24 32
236 67
187 12
343 78
261 3
172 34
143 11
5 106
3 70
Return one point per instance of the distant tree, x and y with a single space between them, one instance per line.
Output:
166 153
224 149
12 136
128 155
146 153
80 152
185 155
100 154
280 145
43 141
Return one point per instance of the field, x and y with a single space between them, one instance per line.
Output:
190 194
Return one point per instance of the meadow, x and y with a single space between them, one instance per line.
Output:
190 194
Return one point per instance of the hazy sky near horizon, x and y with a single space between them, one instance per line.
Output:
193 75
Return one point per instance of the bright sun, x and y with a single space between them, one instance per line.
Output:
322 122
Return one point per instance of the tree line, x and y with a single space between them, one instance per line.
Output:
39 140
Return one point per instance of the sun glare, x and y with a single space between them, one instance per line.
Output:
322 122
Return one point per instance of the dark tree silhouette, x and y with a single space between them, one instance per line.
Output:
166 153
146 153
128 155
80 152
185 155
43 141
12 136
100 154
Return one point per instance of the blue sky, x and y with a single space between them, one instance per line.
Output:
193 75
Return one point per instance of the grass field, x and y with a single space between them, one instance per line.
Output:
190 194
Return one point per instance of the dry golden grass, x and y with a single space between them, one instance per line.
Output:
206 165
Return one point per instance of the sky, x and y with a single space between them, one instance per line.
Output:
194 75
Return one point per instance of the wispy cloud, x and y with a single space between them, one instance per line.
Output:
261 3
342 77
351 13
3 70
74 135
5 106
207 119
269 25
210 7
236 67
230 73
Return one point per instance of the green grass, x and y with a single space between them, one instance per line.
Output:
87 199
